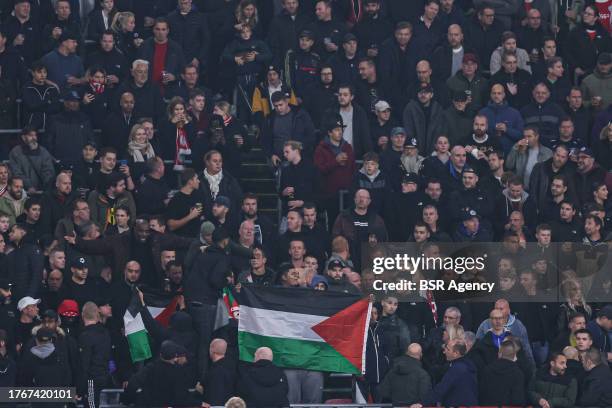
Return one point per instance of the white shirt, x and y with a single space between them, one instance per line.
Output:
347 118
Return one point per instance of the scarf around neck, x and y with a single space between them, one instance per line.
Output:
213 181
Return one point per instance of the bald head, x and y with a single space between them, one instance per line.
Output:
217 349
504 306
455 35
263 353
415 351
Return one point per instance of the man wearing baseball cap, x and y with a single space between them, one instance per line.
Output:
64 66
80 287
345 61
302 63
471 229
382 124
470 81
587 174
390 159
281 35
423 118
28 318
335 161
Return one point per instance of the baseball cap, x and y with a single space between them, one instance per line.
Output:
169 349
469 213
273 68
606 312
68 308
586 150
71 95
79 263
410 178
398 131
67 35
604 58
334 121
91 143
222 200
26 301
334 264
349 37
469 169
382 106
469 57
307 33
5 284
412 142
45 334
219 234
50 314
459 96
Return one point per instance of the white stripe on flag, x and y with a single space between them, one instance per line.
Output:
133 324
272 323
155 311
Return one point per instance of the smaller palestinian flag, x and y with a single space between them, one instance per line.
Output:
227 308
160 306
305 328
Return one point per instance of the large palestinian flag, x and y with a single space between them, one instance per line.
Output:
305 328
161 306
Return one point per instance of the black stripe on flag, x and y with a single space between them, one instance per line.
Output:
295 300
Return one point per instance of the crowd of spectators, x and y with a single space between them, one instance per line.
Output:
417 121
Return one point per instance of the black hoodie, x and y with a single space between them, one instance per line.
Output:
502 382
263 385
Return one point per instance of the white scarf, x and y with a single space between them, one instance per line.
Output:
213 182
136 149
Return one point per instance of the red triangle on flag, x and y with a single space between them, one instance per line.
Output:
164 317
346 332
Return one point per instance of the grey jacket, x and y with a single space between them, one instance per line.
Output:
517 160
36 169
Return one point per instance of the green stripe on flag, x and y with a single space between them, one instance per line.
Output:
292 353
139 346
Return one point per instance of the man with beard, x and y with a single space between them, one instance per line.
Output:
50 297
552 386
549 210
372 30
12 203
480 143
587 174
422 118
356 130
407 205
447 58
30 219
57 202
321 97
264 229
32 162
470 197
369 90
543 173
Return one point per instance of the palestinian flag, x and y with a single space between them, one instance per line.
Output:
305 328
161 307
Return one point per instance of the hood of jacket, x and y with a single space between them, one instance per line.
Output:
524 197
405 365
181 321
43 351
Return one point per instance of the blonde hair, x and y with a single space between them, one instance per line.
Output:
120 20
605 132
455 332
339 244
135 129
574 284
240 18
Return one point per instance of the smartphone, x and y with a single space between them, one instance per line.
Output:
123 162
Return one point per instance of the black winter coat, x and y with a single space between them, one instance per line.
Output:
502 382
262 385
95 351
25 270
208 276
191 33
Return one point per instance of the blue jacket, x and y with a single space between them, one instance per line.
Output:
502 113
459 386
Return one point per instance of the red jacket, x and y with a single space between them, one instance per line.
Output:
334 176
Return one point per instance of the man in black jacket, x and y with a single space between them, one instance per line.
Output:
112 60
328 32
596 388
502 381
373 29
24 264
285 27
174 57
357 129
446 59
262 384
189 29
95 350
43 364
147 96
203 285
218 383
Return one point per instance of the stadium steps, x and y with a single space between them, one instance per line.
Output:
256 177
